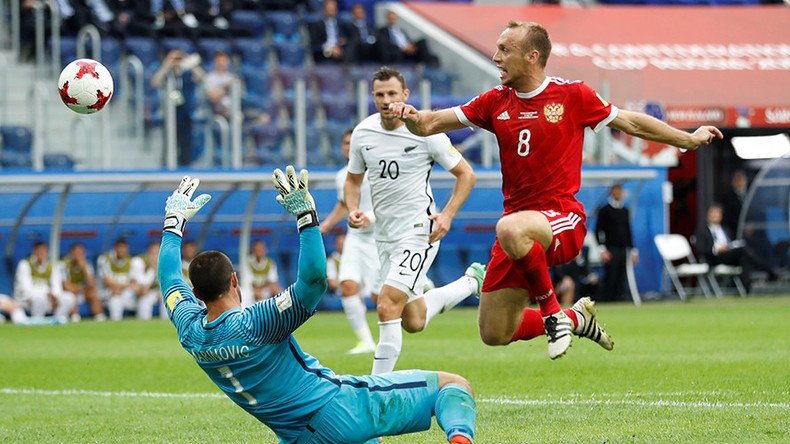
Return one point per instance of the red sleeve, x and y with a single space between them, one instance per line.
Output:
594 111
479 111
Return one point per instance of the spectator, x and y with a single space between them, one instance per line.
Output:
143 272
733 200
261 274
613 232
362 36
328 37
115 274
217 84
79 279
716 246
188 252
187 73
39 288
12 310
396 47
162 15
333 265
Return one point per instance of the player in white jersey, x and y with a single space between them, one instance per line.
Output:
408 226
359 263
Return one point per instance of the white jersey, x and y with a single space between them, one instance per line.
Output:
399 167
365 202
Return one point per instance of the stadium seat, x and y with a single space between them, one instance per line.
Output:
331 80
269 139
288 75
208 47
252 21
727 272
58 161
341 110
290 53
311 110
68 50
110 53
183 44
14 159
144 49
252 51
258 82
285 26
441 81
673 248
17 139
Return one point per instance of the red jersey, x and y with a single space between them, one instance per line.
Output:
540 135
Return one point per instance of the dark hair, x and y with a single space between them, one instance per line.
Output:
39 243
537 38
385 73
210 273
348 131
121 240
76 245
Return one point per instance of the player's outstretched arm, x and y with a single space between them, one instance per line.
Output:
295 197
645 127
425 122
178 210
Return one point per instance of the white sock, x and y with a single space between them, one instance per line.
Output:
145 306
19 316
388 350
39 304
66 301
355 310
115 304
444 298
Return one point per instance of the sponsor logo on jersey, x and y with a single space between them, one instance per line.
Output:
556 244
410 148
553 112
368 147
503 116
523 115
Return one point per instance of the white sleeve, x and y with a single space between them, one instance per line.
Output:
340 184
137 270
55 282
272 276
356 164
104 267
443 151
331 268
23 280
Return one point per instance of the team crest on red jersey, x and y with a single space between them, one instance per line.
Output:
553 112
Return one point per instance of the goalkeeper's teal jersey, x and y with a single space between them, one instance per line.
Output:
251 354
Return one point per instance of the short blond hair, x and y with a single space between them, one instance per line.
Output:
537 39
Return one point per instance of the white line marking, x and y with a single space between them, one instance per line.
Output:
570 400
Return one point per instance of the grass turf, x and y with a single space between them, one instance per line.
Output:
705 371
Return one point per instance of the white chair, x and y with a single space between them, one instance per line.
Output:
674 247
728 271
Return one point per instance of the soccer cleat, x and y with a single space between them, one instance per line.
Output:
361 348
477 271
585 309
558 331
459 439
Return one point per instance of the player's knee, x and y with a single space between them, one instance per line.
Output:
413 324
349 288
451 378
509 234
388 309
493 336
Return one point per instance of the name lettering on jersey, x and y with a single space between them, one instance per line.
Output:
503 116
553 112
283 301
410 148
223 353
528 115
173 300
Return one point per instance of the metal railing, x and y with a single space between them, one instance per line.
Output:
224 137
85 33
132 63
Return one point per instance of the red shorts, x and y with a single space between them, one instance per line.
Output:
568 232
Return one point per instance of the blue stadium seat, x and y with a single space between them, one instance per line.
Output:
144 49
311 110
290 53
170 43
17 139
68 50
288 75
209 46
339 109
258 82
58 161
14 159
331 80
285 26
441 81
252 51
252 21
269 139
110 53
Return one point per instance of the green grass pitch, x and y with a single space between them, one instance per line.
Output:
702 372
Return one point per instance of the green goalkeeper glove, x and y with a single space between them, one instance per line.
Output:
180 207
295 197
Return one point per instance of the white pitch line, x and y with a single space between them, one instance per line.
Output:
571 401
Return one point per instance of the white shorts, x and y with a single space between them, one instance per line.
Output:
360 262
405 263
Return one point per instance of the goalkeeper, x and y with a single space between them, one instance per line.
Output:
253 357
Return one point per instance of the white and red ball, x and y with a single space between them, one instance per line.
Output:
85 86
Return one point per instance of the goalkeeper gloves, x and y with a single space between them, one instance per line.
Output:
295 197
180 207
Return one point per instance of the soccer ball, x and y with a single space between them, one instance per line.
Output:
85 86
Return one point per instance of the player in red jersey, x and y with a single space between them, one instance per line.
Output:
539 123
